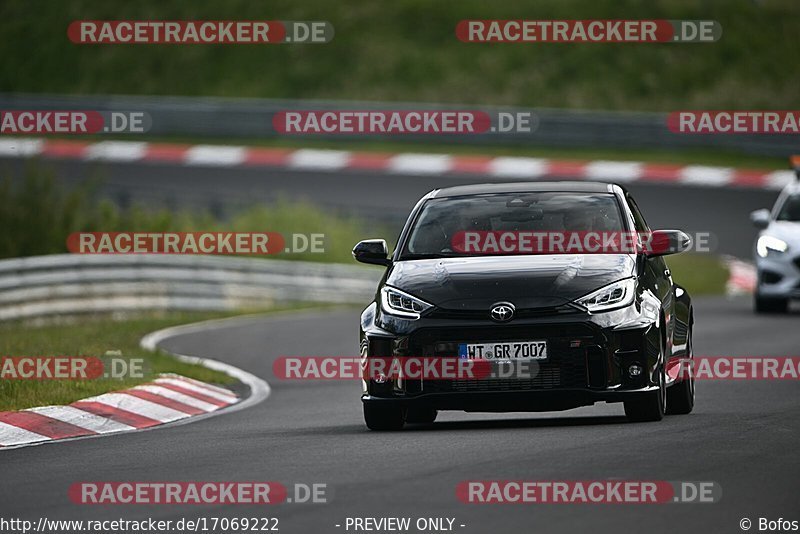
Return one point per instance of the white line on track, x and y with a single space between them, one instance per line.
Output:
83 419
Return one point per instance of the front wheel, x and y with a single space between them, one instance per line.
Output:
384 416
680 397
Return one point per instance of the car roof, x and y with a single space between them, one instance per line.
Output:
524 187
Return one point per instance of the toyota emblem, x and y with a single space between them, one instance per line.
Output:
502 312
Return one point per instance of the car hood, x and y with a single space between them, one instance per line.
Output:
529 282
788 231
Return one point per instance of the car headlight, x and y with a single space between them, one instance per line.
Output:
766 243
400 303
616 295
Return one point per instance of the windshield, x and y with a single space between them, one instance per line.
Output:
443 220
790 211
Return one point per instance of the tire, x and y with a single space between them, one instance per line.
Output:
680 396
649 406
771 305
384 416
423 416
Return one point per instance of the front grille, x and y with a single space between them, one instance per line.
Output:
770 277
797 262
566 366
442 341
483 315
565 372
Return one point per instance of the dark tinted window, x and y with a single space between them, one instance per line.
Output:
638 219
790 211
440 219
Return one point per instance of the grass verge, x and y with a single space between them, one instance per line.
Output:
93 337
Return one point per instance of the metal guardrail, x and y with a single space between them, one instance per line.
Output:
72 284
252 119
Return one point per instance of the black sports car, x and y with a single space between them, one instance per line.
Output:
604 324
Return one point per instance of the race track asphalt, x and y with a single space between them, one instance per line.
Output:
742 435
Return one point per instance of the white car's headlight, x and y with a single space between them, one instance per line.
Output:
400 303
616 295
766 243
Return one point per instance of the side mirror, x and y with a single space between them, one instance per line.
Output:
372 251
760 218
665 242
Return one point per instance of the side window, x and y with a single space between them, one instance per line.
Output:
639 223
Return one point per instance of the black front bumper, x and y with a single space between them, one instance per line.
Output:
588 361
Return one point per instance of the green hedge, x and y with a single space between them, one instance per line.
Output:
37 215
407 50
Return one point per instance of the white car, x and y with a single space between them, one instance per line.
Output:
777 250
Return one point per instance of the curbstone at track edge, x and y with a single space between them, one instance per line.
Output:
466 166
169 400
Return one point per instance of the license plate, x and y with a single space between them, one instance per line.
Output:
507 350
